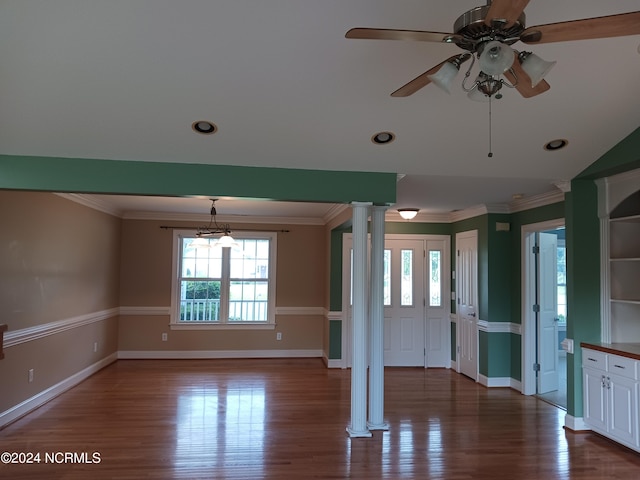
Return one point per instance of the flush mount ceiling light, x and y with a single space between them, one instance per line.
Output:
204 127
556 144
382 138
221 233
486 33
408 213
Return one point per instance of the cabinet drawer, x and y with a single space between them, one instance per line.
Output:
594 359
623 366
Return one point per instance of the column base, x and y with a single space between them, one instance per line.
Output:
359 434
380 426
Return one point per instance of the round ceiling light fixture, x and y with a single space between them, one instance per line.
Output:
556 144
204 127
383 138
408 213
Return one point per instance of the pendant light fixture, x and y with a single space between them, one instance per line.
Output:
225 240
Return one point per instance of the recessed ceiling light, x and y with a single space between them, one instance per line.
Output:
204 127
556 144
383 138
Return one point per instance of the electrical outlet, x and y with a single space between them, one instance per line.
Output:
279 336
30 375
95 347
164 337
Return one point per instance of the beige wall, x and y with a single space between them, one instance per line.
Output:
64 262
59 261
145 281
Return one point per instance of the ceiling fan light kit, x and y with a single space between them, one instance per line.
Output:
487 32
535 67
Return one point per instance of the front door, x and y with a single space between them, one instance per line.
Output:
548 312
467 301
404 303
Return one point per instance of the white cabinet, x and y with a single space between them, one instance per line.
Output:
611 390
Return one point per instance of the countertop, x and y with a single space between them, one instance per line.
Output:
630 350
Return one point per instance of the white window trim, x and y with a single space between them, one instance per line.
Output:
270 324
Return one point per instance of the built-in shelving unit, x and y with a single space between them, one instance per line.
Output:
620 218
624 270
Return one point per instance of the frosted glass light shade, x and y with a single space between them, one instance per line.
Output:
226 241
443 78
199 243
536 68
408 213
496 58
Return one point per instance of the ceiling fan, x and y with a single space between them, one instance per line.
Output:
487 32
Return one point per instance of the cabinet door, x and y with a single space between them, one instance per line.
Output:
623 409
595 407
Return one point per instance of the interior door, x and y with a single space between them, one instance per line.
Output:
404 300
548 313
467 301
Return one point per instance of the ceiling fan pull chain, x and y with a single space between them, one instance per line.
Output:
490 152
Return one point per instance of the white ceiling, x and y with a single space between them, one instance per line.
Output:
125 79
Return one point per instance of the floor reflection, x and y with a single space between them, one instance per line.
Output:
215 424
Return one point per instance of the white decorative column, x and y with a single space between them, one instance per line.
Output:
358 426
376 323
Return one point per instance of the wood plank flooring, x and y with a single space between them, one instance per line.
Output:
286 419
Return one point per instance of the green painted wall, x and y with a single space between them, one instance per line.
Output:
82 175
516 356
499 270
335 339
623 157
494 354
583 281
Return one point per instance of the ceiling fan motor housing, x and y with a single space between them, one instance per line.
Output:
471 31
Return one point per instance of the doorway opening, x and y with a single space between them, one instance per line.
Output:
544 312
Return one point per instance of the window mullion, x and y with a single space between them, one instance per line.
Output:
224 285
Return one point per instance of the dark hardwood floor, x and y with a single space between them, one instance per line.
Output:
281 419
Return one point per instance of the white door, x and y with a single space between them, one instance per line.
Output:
438 304
548 313
404 300
467 302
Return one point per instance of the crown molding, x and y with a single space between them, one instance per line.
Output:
204 219
535 201
91 202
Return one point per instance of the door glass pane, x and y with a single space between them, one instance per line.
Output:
406 282
387 277
435 287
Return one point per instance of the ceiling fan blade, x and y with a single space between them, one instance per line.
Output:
586 29
524 81
419 82
505 11
390 34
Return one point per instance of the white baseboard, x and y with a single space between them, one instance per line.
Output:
196 354
504 382
576 423
329 363
50 393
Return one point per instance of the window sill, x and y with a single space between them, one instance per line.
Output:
223 326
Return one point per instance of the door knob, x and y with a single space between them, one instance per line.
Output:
472 314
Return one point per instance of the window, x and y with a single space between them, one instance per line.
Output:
224 287
435 285
406 282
